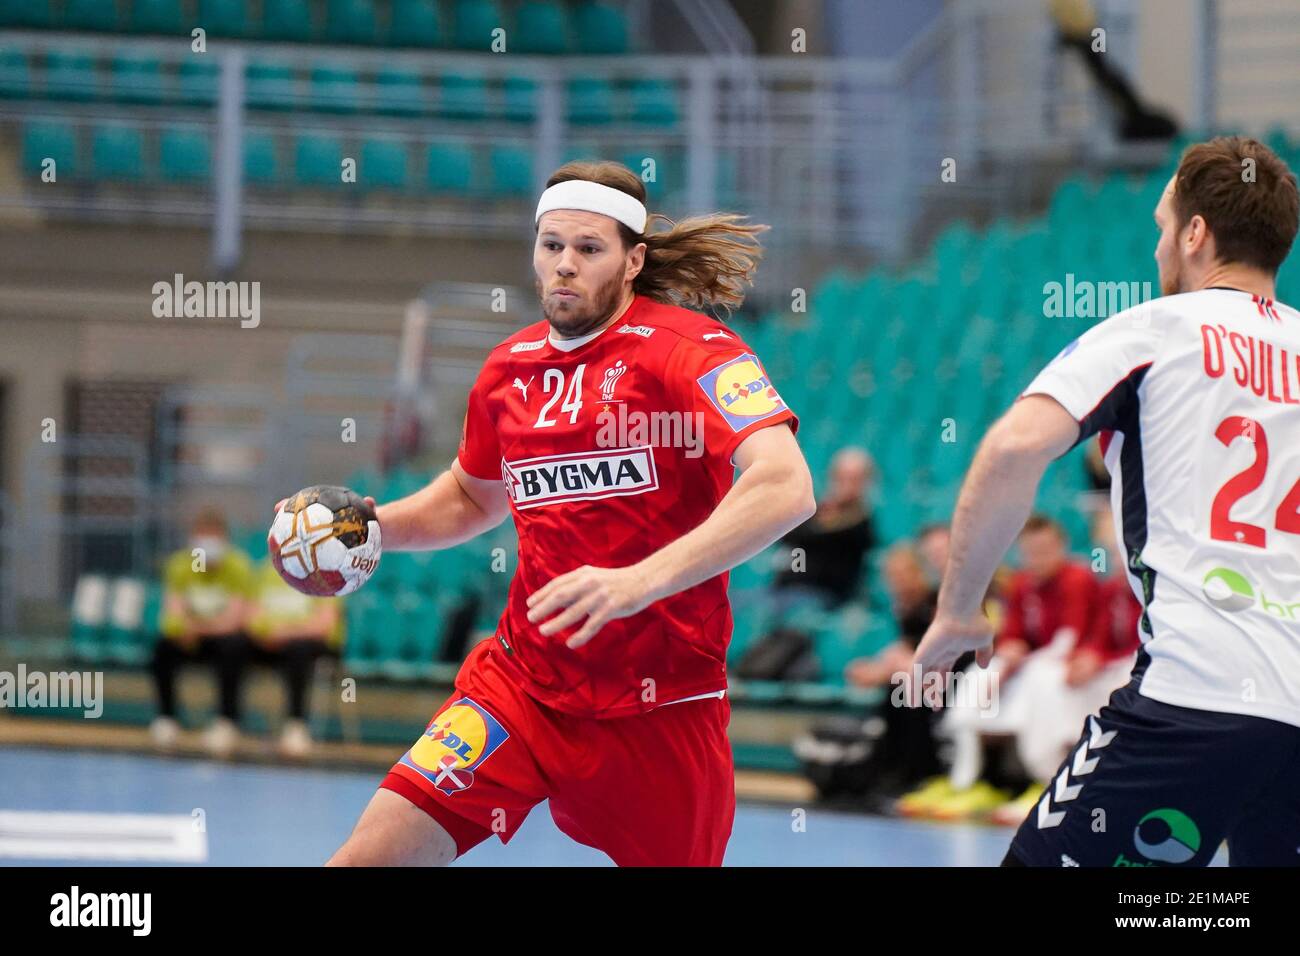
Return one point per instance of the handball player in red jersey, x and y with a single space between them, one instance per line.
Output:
611 431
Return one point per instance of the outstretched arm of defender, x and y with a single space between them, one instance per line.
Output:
994 503
452 508
773 494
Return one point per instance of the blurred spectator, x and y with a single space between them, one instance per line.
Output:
1060 690
1049 607
290 630
912 601
206 590
828 549
824 571
905 751
932 541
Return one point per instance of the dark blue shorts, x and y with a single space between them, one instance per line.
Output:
1151 784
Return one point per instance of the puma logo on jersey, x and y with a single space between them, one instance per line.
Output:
715 335
585 476
523 388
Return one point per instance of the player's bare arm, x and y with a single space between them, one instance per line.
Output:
772 495
451 509
995 500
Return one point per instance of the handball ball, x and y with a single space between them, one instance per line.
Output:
325 541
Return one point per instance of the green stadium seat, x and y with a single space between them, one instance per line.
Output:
132 613
89 634
474 22
415 23
519 98
137 80
350 21
184 154
449 168
158 16
463 97
196 81
400 92
225 18
288 20
261 165
49 140
70 76
591 101
600 28
318 160
374 632
90 15
15 74
117 152
382 164
27 13
540 28
270 86
334 90
653 102
511 170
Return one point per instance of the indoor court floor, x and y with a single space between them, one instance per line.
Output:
87 807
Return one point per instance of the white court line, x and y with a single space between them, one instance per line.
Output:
48 835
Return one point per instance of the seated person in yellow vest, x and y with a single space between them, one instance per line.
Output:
207 589
290 630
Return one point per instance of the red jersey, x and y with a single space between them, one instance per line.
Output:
1037 611
1113 632
610 447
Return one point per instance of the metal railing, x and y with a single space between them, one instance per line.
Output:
835 152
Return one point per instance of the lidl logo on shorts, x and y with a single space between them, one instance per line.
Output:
454 745
1164 836
741 391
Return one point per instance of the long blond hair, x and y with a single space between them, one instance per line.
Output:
697 262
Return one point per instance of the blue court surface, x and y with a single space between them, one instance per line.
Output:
271 816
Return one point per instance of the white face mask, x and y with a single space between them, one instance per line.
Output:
213 548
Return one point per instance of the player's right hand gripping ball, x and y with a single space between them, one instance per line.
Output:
325 541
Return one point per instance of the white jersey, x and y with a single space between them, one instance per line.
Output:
1197 399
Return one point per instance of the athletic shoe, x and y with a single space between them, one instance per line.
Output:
975 802
918 802
164 732
221 738
295 739
1012 812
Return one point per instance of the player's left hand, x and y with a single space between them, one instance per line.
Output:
600 595
947 639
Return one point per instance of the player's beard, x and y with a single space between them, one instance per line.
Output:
576 319
1172 283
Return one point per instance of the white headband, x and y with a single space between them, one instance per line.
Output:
593 197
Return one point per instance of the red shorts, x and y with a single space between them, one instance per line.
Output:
652 789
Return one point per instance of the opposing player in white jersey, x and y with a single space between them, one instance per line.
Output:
1196 399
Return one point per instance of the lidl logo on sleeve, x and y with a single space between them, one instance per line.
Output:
454 745
741 392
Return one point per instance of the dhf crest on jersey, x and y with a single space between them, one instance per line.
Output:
612 375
